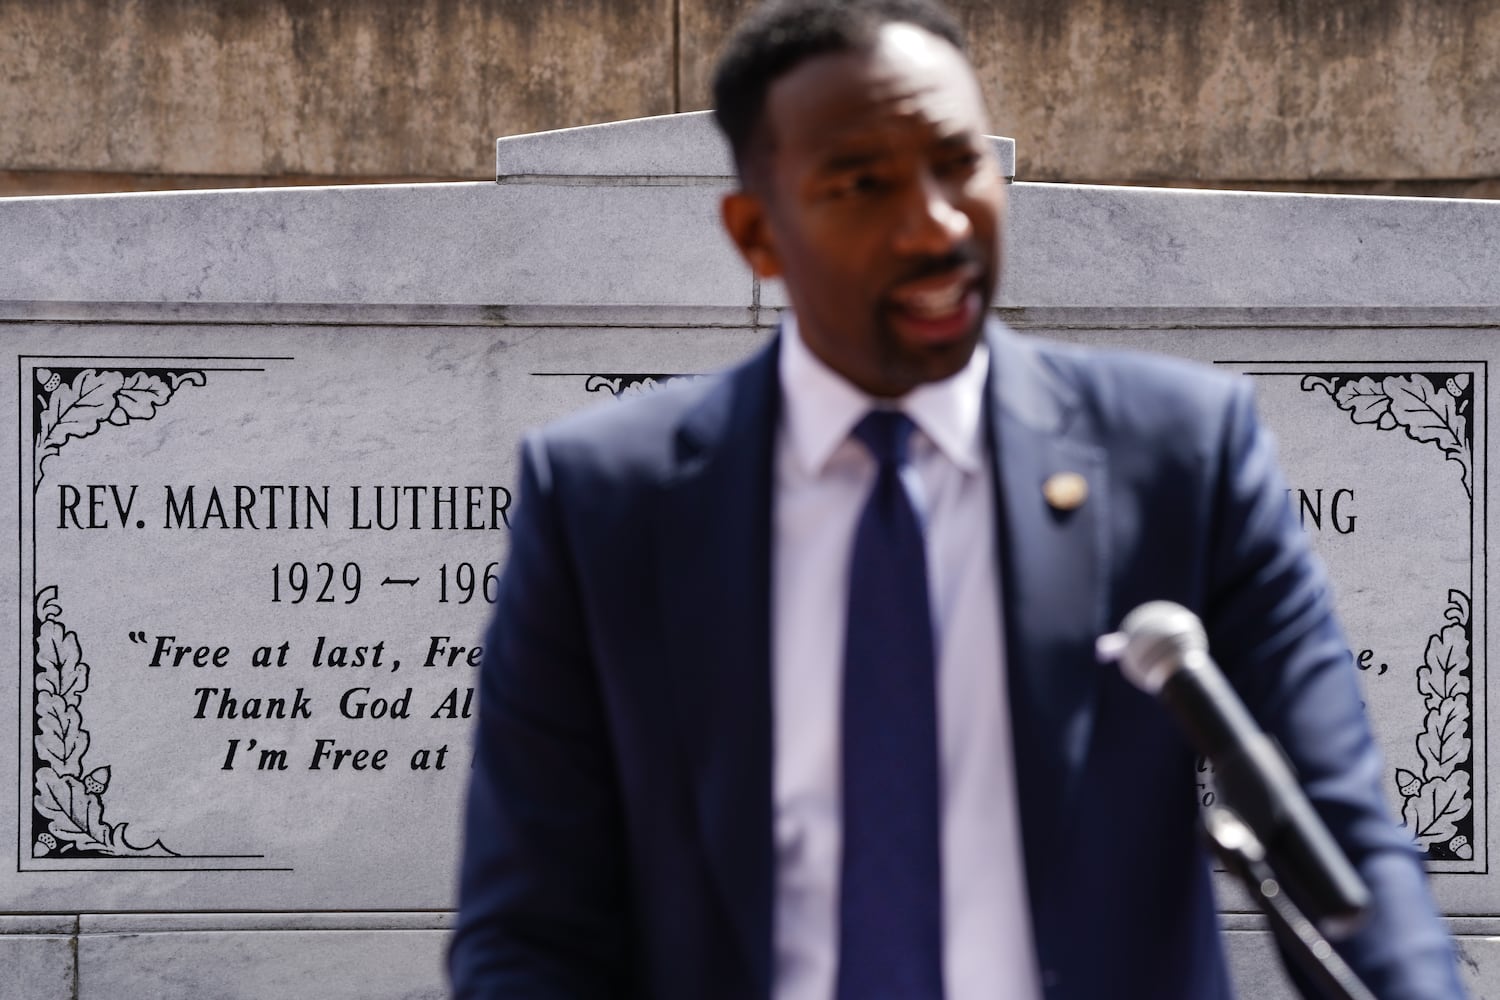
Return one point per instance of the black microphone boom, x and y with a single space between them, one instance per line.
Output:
1162 649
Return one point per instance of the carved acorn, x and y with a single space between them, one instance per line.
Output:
1408 783
44 843
1458 843
96 781
53 382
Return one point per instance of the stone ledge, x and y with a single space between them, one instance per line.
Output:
38 923
157 923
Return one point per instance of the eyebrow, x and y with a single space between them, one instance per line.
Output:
864 155
852 160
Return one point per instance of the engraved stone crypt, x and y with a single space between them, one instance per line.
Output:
263 444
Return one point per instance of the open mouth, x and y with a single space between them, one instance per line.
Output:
937 310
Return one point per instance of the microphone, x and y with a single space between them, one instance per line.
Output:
1162 649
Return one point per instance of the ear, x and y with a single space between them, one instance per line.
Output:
745 220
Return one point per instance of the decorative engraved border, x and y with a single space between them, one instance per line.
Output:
68 805
1438 803
633 384
68 796
78 403
1411 402
1432 408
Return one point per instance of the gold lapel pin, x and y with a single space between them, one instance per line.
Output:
1065 491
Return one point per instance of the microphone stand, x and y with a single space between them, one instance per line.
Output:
1243 854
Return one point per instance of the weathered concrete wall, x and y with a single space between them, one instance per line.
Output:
1393 96
1247 90
328 88
1220 90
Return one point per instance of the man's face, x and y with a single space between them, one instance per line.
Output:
878 201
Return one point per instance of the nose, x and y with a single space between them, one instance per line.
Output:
932 223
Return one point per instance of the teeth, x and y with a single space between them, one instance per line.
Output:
935 303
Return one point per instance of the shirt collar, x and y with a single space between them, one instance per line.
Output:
820 407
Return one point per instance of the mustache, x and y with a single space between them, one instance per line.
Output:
959 258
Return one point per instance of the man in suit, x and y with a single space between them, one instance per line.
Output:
791 692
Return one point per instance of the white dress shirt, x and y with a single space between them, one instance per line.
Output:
822 479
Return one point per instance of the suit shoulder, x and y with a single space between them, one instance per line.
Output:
625 410
1087 367
631 428
1134 390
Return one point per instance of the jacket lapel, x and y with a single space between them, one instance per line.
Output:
714 522
1053 594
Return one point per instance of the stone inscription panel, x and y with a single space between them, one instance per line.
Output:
1385 476
254 563
253 573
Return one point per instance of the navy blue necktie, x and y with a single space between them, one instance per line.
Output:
890 907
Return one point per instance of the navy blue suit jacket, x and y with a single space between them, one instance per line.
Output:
619 829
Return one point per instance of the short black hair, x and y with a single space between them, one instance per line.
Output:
781 35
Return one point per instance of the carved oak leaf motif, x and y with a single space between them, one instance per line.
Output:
74 410
1427 413
75 815
62 740
139 397
1442 744
63 671
47 608
1432 814
1457 610
95 397
1411 402
1435 801
1367 402
71 806
603 383
1430 414
644 387
1441 675
637 384
77 408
